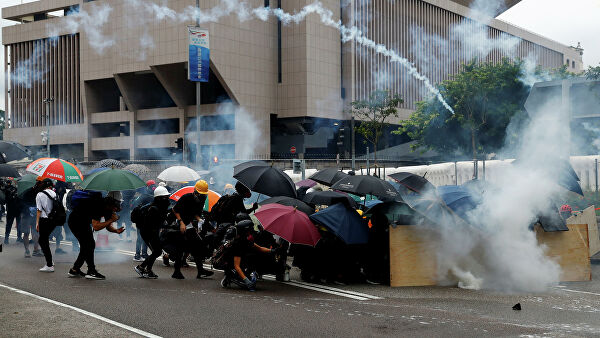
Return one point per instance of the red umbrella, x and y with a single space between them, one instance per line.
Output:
306 183
289 223
211 199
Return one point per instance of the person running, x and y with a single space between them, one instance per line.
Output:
13 211
92 214
188 212
145 197
154 216
28 212
44 225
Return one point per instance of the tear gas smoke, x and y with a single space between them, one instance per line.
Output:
26 72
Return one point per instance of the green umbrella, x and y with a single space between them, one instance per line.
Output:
112 180
25 182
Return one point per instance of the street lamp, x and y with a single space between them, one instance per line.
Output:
47 101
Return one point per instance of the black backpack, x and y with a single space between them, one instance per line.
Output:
221 211
138 214
58 215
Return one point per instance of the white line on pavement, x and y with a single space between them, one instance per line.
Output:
577 291
87 313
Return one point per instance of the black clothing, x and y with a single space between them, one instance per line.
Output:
154 220
189 206
85 236
46 228
234 206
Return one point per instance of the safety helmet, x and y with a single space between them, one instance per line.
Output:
115 195
150 182
201 187
228 186
244 226
161 191
566 208
242 216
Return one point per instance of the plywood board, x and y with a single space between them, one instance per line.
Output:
570 249
588 216
412 256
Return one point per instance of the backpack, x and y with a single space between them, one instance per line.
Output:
220 211
219 259
58 215
139 213
83 198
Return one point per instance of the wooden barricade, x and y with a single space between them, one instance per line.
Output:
412 256
588 216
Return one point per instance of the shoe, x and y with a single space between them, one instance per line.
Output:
59 251
27 254
47 268
6 241
137 259
145 256
372 282
139 270
204 273
75 273
19 240
338 282
177 275
37 253
150 274
165 260
94 275
224 282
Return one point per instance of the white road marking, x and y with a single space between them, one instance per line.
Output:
87 313
577 291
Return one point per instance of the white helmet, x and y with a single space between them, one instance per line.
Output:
161 191
116 195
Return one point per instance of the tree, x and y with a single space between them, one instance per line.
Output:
373 114
592 73
485 98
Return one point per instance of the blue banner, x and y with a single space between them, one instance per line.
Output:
199 55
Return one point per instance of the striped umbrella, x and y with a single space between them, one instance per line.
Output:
56 169
211 199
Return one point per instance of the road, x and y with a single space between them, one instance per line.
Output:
191 307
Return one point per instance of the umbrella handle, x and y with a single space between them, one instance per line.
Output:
257 197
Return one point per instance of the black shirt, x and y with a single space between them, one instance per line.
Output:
155 218
240 247
189 206
83 215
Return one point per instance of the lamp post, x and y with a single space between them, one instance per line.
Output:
47 101
198 100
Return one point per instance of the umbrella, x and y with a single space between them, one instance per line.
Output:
13 151
112 180
110 163
289 223
95 170
413 182
344 222
178 173
306 183
290 202
458 198
435 210
25 182
363 185
329 197
138 169
266 180
396 212
56 169
8 171
245 165
211 199
328 176
566 175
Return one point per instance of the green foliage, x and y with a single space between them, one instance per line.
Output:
592 73
484 96
560 73
373 114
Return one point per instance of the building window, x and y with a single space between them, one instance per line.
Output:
573 64
266 3
217 122
568 62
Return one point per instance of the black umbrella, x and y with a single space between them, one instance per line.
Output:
413 182
110 163
328 176
329 197
8 171
13 151
245 165
266 180
366 185
290 202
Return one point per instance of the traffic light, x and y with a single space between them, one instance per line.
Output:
44 135
179 143
215 160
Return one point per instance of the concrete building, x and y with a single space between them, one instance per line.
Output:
116 71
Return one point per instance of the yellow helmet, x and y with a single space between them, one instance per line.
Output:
360 212
201 187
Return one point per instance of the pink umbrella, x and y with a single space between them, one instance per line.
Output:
289 223
306 183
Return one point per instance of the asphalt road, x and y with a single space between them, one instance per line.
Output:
191 307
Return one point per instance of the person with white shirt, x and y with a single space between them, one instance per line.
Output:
44 203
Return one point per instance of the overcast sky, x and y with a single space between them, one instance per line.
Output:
567 22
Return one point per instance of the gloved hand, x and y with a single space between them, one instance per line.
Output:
255 206
248 283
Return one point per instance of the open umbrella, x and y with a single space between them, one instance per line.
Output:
25 182
7 170
110 163
396 212
112 180
266 180
328 176
458 198
56 169
363 185
306 183
290 202
289 223
413 182
329 197
13 151
344 222
178 173
139 169
211 199
245 165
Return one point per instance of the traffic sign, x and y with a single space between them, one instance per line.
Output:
293 150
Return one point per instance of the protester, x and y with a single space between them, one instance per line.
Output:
154 217
28 212
188 212
145 197
44 225
228 206
93 213
13 211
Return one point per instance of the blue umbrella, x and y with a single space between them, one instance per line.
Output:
458 198
344 222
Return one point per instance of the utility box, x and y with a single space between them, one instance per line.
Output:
297 166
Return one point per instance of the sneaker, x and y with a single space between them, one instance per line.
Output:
6 241
37 253
165 260
27 254
139 270
144 256
19 240
94 275
225 282
59 251
150 274
372 282
177 275
137 258
47 268
204 273
75 273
